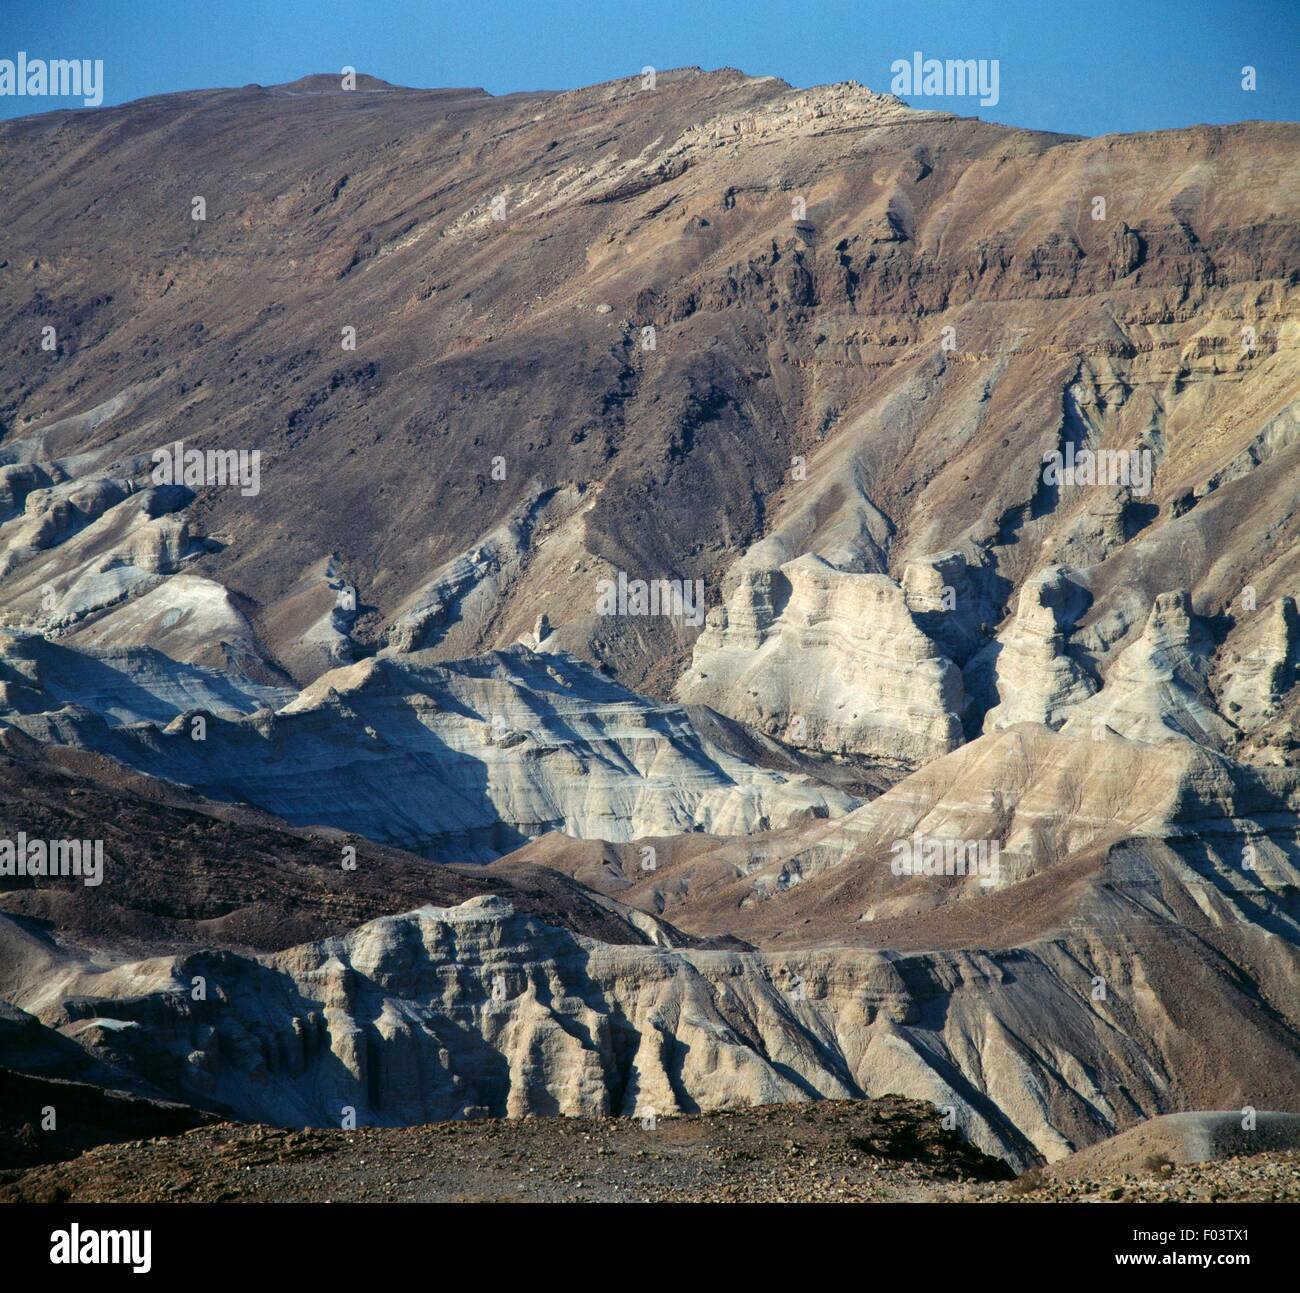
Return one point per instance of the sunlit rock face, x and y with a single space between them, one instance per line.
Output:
1036 676
1157 688
829 659
458 761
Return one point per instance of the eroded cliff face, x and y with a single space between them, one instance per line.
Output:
460 761
831 660
1045 1000
476 1011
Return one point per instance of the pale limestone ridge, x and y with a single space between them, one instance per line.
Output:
459 761
121 685
1042 798
475 1010
93 553
786 118
90 545
830 659
1157 689
845 105
1037 679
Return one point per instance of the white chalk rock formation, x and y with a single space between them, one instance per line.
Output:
461 761
476 1010
76 552
1261 665
828 659
1037 680
121 685
1157 688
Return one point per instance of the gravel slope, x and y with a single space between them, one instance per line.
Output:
885 1150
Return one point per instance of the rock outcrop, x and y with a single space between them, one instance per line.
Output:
684 335
459 761
1036 676
476 1011
119 685
703 324
829 659
1261 666
1158 688
1042 804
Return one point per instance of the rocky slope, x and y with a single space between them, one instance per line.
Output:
475 1010
869 326
886 1150
883 1150
831 660
1180 1138
1066 821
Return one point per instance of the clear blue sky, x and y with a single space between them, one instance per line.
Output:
1083 66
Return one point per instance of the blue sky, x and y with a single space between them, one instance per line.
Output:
1081 66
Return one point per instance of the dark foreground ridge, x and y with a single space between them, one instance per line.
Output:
833 1151
888 1150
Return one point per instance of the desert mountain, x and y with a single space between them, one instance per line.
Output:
846 557
869 326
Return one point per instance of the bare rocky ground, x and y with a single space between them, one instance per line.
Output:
1255 1178
885 1150
837 1151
